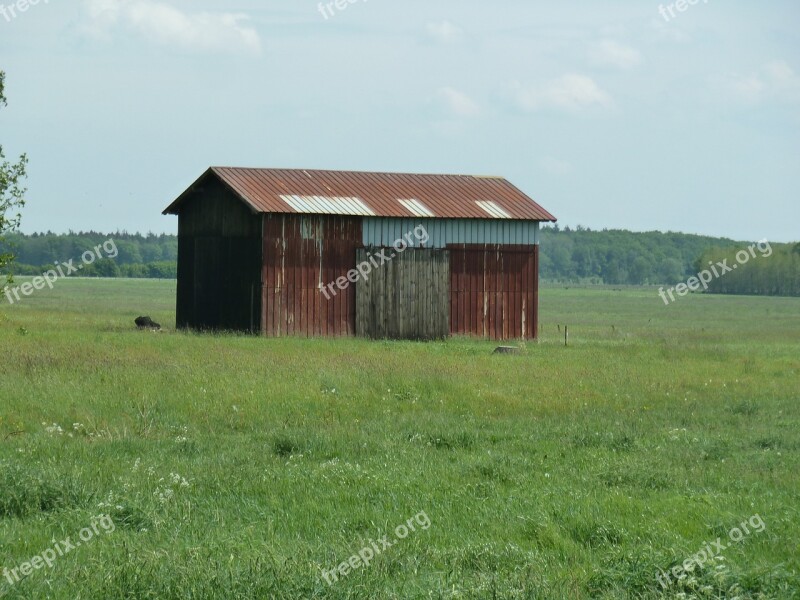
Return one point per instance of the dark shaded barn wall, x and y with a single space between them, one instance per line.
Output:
219 261
407 298
302 253
494 291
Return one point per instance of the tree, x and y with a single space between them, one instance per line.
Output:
670 271
640 271
11 191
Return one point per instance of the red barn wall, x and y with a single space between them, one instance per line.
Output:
494 291
300 254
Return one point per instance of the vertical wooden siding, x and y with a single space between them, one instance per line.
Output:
219 259
301 253
494 291
407 298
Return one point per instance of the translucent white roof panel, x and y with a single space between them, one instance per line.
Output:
493 209
416 208
328 205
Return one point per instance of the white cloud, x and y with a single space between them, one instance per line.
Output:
775 81
748 89
458 102
782 77
444 32
167 25
571 92
556 166
609 53
667 32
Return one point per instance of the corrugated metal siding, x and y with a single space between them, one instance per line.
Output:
302 253
494 291
239 270
383 232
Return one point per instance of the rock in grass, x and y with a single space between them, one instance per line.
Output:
147 323
506 350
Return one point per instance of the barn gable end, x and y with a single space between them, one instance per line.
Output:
219 260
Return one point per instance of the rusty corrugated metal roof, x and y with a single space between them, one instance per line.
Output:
374 194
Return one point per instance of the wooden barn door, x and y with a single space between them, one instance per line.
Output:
405 298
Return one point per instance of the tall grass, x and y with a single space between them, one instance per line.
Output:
238 467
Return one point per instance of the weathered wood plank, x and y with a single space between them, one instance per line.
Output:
407 298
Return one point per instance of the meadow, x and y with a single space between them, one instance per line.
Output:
234 467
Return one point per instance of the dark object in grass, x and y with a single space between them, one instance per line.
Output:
147 323
506 350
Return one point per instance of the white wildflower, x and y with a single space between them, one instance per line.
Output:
54 429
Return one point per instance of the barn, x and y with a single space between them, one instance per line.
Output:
382 255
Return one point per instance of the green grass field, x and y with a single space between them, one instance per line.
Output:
237 467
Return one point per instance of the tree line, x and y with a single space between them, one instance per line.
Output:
580 255
140 256
757 273
621 257
654 258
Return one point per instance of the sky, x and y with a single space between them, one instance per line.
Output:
616 114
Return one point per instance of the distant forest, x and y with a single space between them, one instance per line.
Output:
140 256
612 257
623 257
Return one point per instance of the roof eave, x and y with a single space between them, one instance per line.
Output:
173 209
